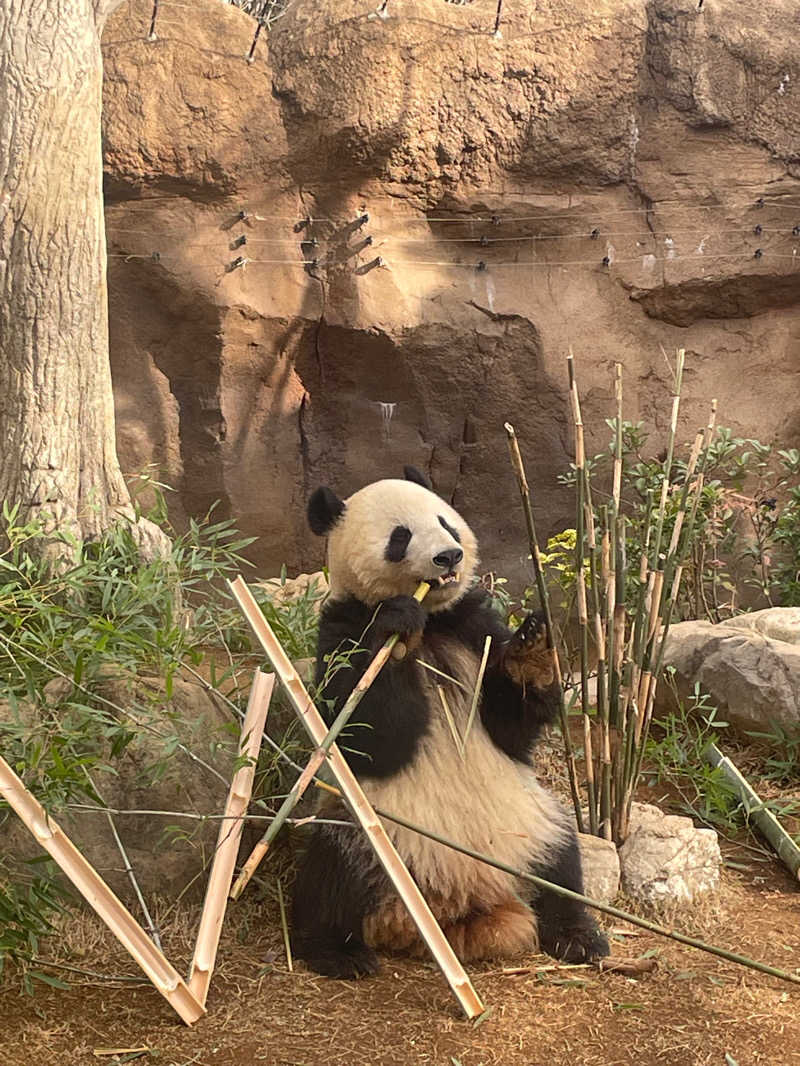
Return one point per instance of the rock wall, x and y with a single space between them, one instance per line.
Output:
497 175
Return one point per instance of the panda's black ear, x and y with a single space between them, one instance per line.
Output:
324 510
412 474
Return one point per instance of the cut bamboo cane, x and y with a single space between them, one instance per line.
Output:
230 832
384 849
99 896
320 754
785 848
544 600
583 616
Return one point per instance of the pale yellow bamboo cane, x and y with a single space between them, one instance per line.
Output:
230 832
384 849
98 895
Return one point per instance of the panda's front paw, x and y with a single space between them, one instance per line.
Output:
527 658
580 944
400 614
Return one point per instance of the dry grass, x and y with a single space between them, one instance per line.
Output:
689 1012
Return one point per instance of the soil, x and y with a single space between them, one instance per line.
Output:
694 1009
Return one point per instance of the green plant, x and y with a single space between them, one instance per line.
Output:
674 755
746 536
89 658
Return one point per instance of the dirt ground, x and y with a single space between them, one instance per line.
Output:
692 1011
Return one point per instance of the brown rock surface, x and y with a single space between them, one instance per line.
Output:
659 125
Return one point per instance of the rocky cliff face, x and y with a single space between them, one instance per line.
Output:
497 176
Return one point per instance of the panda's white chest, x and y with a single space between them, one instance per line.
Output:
463 787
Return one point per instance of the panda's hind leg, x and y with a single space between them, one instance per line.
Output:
337 882
567 930
507 930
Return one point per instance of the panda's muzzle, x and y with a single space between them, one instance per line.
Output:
448 561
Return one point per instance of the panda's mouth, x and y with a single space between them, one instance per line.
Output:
452 577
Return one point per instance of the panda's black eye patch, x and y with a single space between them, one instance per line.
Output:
397 544
453 532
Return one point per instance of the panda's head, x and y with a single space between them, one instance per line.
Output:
387 537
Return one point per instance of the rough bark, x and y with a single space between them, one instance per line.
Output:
57 446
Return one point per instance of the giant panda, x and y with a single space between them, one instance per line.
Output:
382 542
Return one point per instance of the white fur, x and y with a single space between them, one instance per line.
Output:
357 545
487 802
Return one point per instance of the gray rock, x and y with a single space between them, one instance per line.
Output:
778 623
666 859
601 870
149 776
752 678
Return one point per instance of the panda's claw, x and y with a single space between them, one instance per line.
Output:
527 658
582 944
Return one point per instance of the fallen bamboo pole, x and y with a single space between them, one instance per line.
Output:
230 832
605 908
99 896
320 754
359 804
785 848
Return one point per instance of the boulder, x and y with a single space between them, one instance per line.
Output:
283 590
666 860
777 623
167 853
601 871
752 678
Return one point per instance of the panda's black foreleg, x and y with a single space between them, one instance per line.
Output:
337 882
567 929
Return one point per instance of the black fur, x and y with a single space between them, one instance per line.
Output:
397 544
412 474
339 880
453 532
324 510
383 735
512 718
566 929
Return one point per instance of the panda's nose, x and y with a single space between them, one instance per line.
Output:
448 559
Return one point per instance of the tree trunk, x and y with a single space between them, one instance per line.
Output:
57 445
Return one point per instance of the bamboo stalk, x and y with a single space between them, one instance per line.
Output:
230 832
583 617
544 600
604 908
320 754
285 929
673 429
476 695
384 849
754 807
668 596
99 896
149 924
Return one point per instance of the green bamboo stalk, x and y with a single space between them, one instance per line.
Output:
673 428
566 893
604 908
673 570
583 617
755 809
544 600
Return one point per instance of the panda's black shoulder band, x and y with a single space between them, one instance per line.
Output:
412 474
324 510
